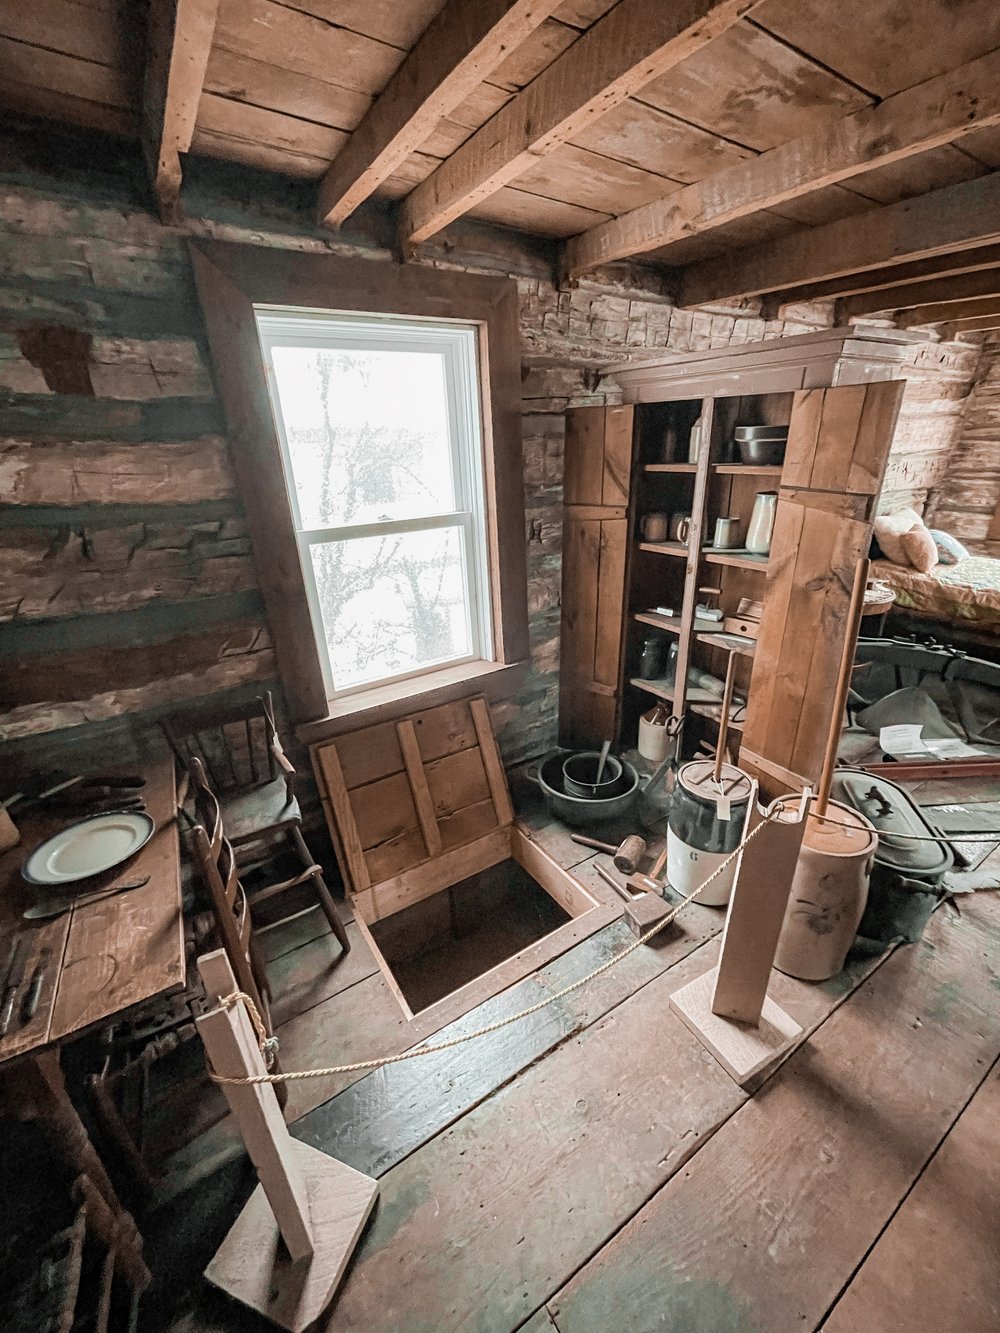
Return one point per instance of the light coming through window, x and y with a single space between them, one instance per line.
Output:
379 424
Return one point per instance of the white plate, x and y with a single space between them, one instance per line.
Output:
87 848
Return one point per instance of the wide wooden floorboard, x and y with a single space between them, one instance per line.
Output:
377 1121
762 1227
476 1229
936 1264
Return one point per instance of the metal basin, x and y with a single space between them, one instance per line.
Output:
582 812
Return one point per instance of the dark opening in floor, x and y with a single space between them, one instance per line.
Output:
440 944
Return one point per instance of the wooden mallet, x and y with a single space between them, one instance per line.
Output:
642 910
627 855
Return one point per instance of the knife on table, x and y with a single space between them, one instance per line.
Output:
51 907
29 1004
12 982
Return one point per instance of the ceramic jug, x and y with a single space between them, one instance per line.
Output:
828 894
762 522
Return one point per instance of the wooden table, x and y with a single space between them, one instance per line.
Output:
105 958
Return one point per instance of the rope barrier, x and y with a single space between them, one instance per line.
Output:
269 1044
328 1071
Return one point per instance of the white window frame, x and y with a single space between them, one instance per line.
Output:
457 341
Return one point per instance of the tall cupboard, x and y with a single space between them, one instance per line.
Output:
637 599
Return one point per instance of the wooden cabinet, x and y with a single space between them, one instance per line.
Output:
839 395
596 492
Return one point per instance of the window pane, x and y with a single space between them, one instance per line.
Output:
367 433
392 604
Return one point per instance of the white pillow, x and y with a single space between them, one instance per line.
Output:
889 529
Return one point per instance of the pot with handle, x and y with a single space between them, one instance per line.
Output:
577 811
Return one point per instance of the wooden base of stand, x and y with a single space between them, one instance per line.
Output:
743 1050
253 1266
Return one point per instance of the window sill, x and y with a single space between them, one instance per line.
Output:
384 703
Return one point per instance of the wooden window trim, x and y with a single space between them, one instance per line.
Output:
231 279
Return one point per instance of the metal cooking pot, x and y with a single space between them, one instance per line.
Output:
578 811
580 771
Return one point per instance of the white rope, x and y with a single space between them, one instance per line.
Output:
269 1045
289 1076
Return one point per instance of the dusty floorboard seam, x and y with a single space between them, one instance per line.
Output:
700 1143
344 990
852 1276
542 1055
557 1044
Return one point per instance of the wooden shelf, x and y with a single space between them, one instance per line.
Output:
714 714
665 548
688 468
665 690
737 559
731 643
672 624
759 470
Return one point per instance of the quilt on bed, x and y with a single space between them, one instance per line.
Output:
968 592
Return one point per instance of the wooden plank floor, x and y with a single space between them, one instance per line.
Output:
592 1168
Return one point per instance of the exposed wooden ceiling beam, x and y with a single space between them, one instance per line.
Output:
942 312
953 218
632 45
895 275
927 116
981 324
954 287
178 44
460 47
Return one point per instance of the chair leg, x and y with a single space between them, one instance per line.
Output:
322 892
118 1133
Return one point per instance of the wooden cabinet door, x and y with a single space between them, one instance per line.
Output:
838 445
596 490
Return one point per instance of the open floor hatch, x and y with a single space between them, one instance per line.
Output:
450 891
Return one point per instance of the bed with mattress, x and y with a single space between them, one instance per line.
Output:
966 594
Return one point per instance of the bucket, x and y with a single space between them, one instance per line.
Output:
702 833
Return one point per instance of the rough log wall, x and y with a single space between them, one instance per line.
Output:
970 491
128 578
939 380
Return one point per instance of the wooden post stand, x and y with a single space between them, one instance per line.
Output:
728 1008
288 1249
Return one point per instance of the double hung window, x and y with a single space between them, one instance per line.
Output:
379 425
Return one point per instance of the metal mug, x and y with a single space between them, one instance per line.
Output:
680 527
727 533
655 527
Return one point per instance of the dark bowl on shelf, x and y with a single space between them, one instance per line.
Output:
762 452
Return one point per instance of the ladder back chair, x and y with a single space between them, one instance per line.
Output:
134 1046
241 754
216 861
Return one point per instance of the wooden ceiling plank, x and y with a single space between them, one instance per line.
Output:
885 45
465 42
980 324
633 44
947 311
954 218
928 116
953 287
179 42
854 284
256 83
